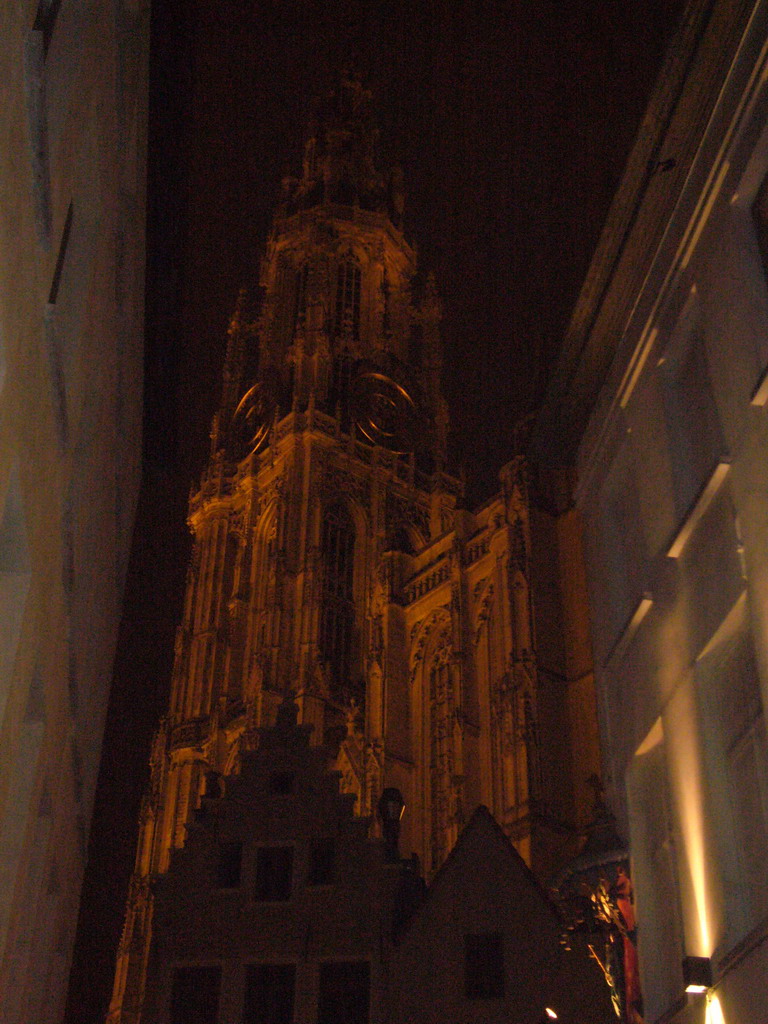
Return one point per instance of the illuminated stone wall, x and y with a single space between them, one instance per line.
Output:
663 372
73 123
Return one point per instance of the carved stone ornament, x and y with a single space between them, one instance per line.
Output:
421 632
400 510
336 481
484 610
519 547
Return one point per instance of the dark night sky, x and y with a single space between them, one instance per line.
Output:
512 121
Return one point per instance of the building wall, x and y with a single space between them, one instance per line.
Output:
484 890
347 917
673 487
368 909
73 122
567 706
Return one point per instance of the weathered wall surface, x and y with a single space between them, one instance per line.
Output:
72 180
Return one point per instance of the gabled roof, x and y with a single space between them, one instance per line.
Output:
496 848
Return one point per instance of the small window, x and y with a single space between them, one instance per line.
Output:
269 993
344 996
484 966
322 859
693 424
195 995
281 783
274 870
229 864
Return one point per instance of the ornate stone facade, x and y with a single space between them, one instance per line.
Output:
331 560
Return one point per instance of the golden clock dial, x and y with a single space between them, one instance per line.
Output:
251 421
384 412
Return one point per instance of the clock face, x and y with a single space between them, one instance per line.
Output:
384 412
251 421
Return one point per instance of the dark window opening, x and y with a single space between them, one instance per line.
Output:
269 993
322 860
344 996
291 290
399 540
229 865
302 276
281 783
346 321
337 617
195 995
274 871
340 390
484 966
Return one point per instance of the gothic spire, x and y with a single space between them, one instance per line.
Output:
339 163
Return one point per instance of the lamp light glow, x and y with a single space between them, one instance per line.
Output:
550 1013
714 1010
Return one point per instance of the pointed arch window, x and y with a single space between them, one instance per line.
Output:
302 275
346 321
339 392
291 290
337 618
440 753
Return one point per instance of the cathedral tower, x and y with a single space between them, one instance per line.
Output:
330 559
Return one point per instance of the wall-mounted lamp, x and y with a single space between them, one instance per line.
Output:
697 974
550 1013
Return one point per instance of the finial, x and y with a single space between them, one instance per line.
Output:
339 161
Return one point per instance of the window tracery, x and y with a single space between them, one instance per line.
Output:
341 383
441 757
337 616
346 322
300 313
291 299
